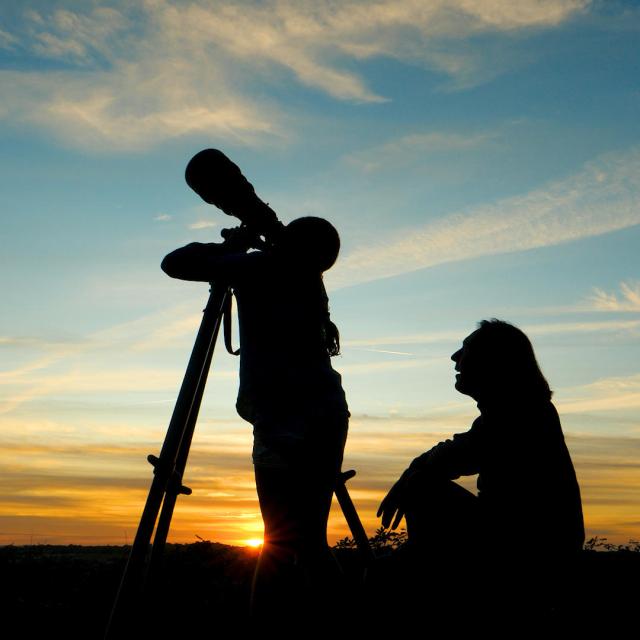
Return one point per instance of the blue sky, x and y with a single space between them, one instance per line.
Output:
479 159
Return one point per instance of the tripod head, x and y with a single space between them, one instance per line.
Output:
219 181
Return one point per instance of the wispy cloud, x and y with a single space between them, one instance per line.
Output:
7 40
386 366
162 217
610 394
84 365
628 299
76 35
393 353
603 197
406 149
203 224
124 109
56 486
131 78
607 326
541 329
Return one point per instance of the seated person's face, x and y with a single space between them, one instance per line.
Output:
470 378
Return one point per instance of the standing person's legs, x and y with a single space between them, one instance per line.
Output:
296 571
276 580
320 468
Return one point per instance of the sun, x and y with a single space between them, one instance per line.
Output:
254 542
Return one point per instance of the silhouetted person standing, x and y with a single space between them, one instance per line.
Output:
518 537
288 391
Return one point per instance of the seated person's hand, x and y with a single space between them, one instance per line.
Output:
392 508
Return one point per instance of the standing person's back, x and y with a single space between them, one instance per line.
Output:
284 364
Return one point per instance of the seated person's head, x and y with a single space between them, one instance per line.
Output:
310 242
497 362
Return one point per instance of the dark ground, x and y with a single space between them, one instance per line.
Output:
67 592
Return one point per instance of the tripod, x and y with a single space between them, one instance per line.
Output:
168 469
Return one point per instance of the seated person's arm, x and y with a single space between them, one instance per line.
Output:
208 262
449 459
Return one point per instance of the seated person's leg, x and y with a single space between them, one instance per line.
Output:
443 552
441 513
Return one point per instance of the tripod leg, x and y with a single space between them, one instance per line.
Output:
131 585
175 487
353 519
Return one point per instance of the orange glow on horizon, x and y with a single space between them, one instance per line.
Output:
254 542
76 491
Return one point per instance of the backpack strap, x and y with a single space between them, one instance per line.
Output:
226 323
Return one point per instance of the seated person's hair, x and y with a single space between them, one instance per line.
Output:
511 361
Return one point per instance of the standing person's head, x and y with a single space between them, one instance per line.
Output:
309 243
497 362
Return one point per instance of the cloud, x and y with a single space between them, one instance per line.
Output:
162 217
7 40
541 329
627 300
373 368
57 483
407 149
412 339
130 110
127 84
168 333
393 353
203 224
56 486
86 366
619 393
76 36
609 326
127 78
603 197
53 480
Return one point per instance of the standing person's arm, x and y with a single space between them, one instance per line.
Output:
208 262
448 460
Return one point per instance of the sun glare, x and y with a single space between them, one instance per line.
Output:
254 542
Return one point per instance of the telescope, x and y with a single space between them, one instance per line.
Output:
218 181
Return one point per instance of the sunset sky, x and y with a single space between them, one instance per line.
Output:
480 158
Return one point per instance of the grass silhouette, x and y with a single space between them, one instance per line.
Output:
69 590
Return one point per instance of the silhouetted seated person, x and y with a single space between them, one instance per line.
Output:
293 398
515 541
